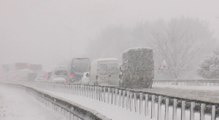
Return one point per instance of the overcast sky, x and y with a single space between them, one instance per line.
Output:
50 31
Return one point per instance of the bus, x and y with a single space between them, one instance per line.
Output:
78 67
105 72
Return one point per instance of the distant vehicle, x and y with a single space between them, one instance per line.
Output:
105 71
59 75
43 76
78 67
25 75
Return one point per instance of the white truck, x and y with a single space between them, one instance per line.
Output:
105 72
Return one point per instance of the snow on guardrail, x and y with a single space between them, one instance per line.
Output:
154 104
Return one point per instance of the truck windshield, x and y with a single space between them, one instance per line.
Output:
81 65
108 68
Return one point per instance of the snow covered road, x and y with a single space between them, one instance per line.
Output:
16 104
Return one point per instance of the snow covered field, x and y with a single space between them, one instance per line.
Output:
16 104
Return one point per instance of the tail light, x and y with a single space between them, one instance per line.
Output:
71 75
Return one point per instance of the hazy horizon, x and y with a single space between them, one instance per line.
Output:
49 32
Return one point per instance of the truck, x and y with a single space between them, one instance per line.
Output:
105 71
78 67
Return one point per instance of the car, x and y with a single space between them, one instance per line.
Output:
43 76
59 76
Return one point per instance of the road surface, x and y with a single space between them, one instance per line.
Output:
16 104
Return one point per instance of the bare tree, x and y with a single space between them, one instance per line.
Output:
181 43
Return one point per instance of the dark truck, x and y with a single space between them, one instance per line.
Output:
78 67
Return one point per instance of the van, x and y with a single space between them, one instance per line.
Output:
105 72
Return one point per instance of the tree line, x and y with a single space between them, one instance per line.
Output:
180 45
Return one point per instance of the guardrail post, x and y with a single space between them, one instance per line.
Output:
112 90
174 109
94 92
213 117
183 104
123 98
101 94
115 96
89 92
135 102
104 94
85 90
130 100
167 109
140 102
95 87
97 92
78 90
146 104
119 98
159 108
192 114
108 94
153 106
73 87
127 100
82 90
202 115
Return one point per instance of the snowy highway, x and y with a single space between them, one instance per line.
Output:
16 104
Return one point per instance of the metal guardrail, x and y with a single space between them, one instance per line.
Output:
71 111
187 82
144 102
